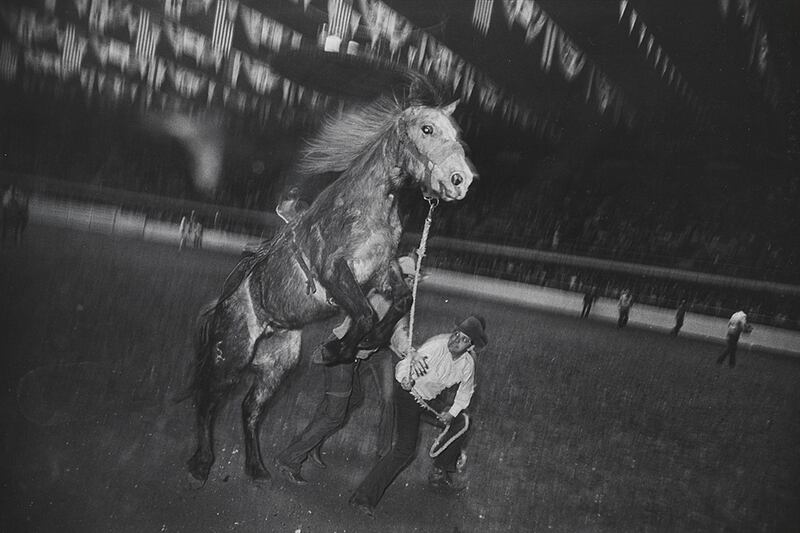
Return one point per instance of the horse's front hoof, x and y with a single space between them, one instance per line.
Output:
194 482
258 474
199 470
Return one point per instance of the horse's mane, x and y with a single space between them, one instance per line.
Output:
343 137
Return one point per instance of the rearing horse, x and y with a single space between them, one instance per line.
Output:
326 259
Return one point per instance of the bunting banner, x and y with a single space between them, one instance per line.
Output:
114 18
664 67
186 43
482 16
9 60
384 24
261 78
73 48
571 59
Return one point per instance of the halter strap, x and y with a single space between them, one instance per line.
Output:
408 143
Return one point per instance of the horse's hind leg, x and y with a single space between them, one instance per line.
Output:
207 404
274 357
217 372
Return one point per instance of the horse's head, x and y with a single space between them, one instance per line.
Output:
436 157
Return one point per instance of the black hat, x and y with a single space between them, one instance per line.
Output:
473 327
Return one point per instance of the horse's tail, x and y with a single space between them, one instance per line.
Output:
202 347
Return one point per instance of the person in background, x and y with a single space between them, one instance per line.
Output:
624 306
588 299
736 326
15 213
441 362
680 314
344 388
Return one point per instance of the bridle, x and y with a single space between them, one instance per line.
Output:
408 144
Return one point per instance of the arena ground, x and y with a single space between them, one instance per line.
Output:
578 426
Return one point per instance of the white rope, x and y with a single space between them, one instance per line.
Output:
432 202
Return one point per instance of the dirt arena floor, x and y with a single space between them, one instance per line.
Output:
578 426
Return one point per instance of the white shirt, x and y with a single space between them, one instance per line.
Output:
737 323
443 372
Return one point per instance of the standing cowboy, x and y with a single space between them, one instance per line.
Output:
736 326
680 314
441 362
624 306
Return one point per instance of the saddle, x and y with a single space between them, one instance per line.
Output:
251 257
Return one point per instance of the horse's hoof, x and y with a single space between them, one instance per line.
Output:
258 474
195 483
316 457
199 470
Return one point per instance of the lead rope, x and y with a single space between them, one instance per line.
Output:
432 203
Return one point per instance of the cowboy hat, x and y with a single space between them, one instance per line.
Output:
473 327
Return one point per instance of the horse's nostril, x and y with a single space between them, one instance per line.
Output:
456 179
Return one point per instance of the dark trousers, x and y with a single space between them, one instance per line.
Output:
344 391
732 342
587 306
678 326
408 415
623 318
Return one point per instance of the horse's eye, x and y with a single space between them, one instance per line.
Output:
427 129
456 179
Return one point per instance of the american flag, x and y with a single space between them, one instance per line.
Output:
339 13
9 59
222 36
482 15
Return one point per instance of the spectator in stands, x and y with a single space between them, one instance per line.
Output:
441 362
680 314
624 306
736 326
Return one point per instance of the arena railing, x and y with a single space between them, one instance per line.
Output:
707 293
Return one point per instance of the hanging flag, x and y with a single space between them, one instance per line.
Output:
570 57
650 42
549 45
73 48
147 37
482 15
623 4
222 34
9 60
260 76
589 84
642 33
173 9
632 21
511 9
747 10
535 25
724 6
604 92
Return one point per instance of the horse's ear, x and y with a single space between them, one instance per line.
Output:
449 108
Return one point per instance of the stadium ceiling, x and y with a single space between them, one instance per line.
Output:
716 73
719 72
